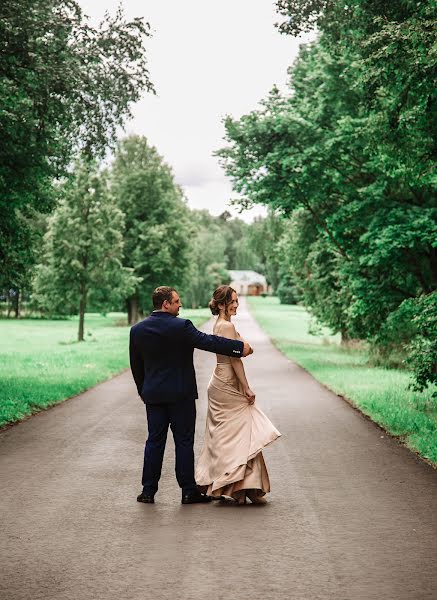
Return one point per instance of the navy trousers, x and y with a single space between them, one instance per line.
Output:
181 417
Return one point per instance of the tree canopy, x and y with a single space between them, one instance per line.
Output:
83 249
347 157
65 88
157 233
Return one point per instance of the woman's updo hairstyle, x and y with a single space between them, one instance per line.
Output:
222 295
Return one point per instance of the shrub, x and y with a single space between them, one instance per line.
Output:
422 350
288 293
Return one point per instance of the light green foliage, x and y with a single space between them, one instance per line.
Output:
264 237
65 86
239 252
83 249
41 364
219 244
380 393
157 234
348 156
207 268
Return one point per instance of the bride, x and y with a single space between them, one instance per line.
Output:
231 462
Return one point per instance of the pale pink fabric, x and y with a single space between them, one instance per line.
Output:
236 432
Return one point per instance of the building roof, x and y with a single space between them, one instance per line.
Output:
248 277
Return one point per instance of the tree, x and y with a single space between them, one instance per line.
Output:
351 150
264 239
310 264
422 355
83 250
65 88
207 268
238 253
157 236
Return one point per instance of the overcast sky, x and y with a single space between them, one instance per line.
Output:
206 60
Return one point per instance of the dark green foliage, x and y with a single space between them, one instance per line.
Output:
311 265
158 232
348 160
288 293
65 87
422 356
81 263
301 15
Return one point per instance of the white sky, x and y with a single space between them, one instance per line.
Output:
206 60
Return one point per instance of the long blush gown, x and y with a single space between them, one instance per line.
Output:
231 460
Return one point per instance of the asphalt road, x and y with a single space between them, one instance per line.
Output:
352 515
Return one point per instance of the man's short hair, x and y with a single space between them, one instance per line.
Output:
162 293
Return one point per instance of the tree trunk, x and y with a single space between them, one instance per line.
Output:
132 310
17 304
345 338
82 308
129 312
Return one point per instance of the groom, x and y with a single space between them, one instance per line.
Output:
161 358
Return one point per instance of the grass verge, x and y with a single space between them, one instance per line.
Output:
41 363
379 393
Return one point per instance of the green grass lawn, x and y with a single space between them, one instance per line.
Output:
42 364
379 393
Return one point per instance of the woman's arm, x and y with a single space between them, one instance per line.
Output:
228 330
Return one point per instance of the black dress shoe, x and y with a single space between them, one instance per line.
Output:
146 498
195 498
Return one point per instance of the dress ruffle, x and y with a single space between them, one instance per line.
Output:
236 433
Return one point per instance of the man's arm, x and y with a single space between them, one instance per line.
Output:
215 343
136 364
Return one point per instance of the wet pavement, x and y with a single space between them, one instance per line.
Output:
352 515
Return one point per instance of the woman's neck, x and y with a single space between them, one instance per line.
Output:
225 317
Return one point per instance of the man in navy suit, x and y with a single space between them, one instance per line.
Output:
161 357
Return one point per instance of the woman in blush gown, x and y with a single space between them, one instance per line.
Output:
231 462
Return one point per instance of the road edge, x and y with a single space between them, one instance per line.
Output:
399 439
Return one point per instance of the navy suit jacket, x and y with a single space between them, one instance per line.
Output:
161 357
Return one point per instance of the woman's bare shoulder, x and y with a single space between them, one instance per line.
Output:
223 327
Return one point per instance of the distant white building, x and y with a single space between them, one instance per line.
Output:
248 283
